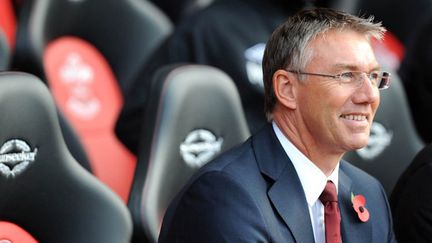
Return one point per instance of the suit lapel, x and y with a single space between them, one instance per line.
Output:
288 198
286 193
353 230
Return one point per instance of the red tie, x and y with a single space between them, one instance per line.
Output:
332 216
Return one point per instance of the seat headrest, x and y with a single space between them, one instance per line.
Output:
48 193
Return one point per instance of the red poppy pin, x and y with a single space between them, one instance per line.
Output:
359 202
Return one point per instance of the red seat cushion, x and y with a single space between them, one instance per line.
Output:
10 232
87 92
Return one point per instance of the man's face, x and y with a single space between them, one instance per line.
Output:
338 116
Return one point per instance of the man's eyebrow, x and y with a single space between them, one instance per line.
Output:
354 67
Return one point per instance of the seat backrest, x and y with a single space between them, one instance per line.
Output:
49 195
87 93
393 142
194 113
87 51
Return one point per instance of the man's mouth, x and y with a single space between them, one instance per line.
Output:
354 117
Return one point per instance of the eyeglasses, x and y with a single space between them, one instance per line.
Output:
381 80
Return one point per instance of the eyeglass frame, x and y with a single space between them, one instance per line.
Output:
384 83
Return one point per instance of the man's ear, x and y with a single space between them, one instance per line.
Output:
284 84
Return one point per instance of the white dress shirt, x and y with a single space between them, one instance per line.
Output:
313 181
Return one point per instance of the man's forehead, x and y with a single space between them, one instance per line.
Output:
343 50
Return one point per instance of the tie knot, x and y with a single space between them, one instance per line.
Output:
329 194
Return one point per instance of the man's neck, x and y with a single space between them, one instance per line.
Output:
305 143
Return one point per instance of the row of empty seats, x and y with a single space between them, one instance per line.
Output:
83 53
48 188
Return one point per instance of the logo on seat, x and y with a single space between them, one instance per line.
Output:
78 75
199 147
15 157
380 138
254 56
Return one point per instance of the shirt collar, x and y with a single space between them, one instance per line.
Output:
313 180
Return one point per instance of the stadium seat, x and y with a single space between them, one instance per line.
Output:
46 195
194 113
394 141
87 51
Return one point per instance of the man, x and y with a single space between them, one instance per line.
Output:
322 85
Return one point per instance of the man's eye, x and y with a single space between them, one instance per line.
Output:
347 75
374 75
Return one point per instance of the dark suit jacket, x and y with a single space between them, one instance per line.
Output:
253 194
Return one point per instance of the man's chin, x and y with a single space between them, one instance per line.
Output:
358 144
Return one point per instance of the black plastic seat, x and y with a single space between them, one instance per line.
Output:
194 113
394 141
44 190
